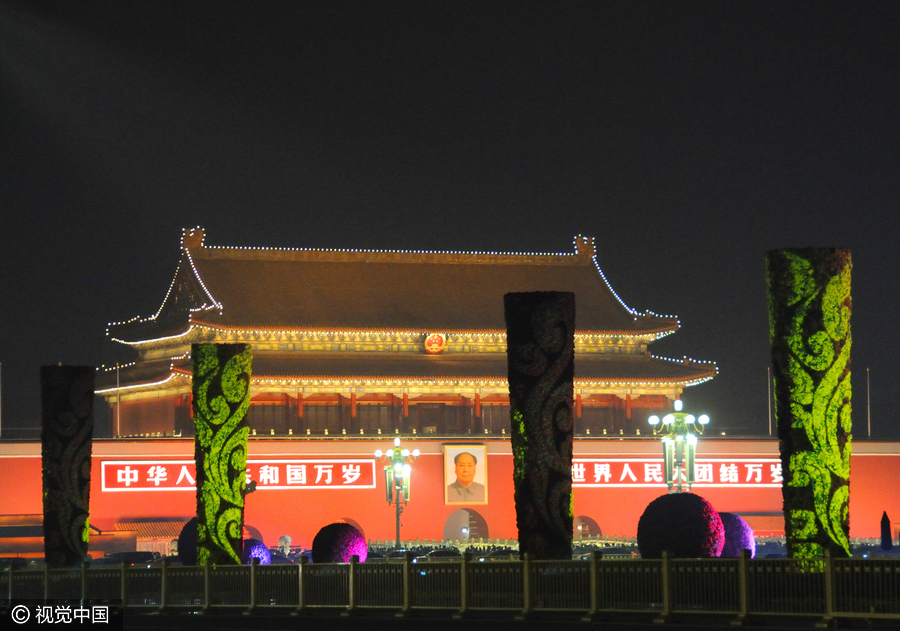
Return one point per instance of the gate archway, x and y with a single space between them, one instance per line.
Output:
583 527
465 524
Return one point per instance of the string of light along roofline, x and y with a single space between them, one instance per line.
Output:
575 242
364 251
157 339
369 382
499 336
633 312
683 360
367 251
217 305
139 385
215 302
610 383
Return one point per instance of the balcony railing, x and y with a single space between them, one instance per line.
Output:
823 588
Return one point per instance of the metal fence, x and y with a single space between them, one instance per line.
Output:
826 588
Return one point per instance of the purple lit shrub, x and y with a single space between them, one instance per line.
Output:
338 543
684 524
256 549
738 536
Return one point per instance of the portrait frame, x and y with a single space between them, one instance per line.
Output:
479 452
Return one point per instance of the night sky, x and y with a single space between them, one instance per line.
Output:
689 138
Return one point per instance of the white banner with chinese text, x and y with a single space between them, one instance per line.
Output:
710 472
180 475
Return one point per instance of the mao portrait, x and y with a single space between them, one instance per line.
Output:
465 474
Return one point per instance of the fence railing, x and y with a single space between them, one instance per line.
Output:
826 588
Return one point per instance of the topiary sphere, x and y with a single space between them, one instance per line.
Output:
256 549
187 543
337 543
684 524
738 536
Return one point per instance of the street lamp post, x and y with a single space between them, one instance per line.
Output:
679 446
397 474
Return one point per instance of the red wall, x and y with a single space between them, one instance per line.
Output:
301 512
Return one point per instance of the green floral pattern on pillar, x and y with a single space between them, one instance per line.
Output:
67 417
221 389
809 329
540 353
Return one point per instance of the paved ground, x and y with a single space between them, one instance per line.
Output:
442 622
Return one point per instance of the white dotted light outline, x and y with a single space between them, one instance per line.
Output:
382 381
364 251
406 383
374 334
171 376
634 312
577 239
217 305
204 307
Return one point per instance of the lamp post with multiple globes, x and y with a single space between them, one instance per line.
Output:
679 446
397 474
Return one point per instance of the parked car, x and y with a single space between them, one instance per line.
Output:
131 559
395 555
442 554
500 554
16 563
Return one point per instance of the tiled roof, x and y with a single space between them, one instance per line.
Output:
397 291
155 529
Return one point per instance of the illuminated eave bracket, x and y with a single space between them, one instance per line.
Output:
180 381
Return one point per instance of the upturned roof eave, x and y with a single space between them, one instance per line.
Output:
702 371
666 328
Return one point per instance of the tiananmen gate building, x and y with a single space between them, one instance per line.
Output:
352 348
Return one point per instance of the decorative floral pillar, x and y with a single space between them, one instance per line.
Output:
809 329
221 388
67 417
540 330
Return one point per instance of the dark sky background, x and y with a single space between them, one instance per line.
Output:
689 138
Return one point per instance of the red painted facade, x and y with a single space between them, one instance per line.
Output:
299 510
